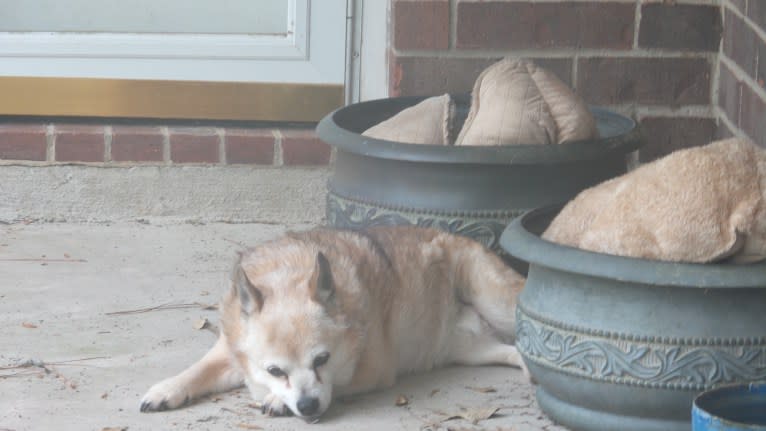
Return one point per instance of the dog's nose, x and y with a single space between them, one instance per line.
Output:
308 406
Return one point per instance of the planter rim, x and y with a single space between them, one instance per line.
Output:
521 243
703 410
624 140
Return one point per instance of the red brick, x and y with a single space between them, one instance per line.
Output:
193 145
136 144
729 93
756 10
79 143
432 76
753 115
22 142
520 25
657 81
680 27
664 135
739 43
302 147
422 24
252 146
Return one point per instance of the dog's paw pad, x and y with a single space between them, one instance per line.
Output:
165 395
273 406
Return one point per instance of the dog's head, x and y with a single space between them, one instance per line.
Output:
283 322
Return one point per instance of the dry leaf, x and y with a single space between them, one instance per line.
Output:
248 426
401 400
114 429
201 324
104 396
434 392
29 325
483 390
475 415
67 256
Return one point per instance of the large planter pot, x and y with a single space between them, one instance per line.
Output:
625 344
475 191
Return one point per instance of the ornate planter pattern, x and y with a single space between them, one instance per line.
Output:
473 191
620 343
485 227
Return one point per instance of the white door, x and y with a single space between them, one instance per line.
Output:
125 51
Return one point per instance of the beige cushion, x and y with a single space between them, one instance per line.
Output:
701 204
428 122
516 102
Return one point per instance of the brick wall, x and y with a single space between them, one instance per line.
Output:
742 70
652 60
660 62
135 144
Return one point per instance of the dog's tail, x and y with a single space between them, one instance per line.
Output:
488 284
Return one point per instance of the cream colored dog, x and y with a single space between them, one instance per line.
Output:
325 313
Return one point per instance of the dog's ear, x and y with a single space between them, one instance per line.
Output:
322 283
250 297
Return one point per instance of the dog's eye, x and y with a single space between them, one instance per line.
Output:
276 371
321 359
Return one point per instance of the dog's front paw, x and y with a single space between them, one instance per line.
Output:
273 406
165 395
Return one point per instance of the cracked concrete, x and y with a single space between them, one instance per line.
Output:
59 281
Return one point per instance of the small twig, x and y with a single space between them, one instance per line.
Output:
48 368
43 260
41 364
166 306
18 374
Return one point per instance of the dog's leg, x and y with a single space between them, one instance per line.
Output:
474 343
213 373
484 281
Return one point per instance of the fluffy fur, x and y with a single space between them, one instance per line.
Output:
380 303
700 205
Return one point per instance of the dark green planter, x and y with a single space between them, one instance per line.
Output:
475 191
626 344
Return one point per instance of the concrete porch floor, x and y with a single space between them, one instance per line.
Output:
58 282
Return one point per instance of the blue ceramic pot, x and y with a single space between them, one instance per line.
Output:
731 408
626 344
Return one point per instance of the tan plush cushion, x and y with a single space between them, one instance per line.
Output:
701 204
428 122
516 102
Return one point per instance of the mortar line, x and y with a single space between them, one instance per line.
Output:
452 45
165 144
108 136
221 145
752 24
555 53
636 24
743 76
50 143
278 156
